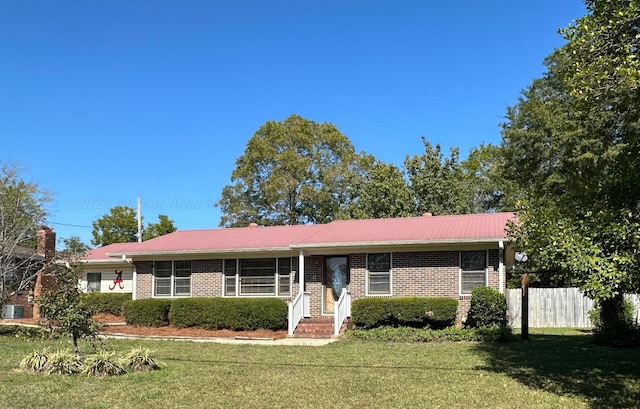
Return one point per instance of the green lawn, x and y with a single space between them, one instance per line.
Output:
555 369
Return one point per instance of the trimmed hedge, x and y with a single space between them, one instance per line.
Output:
449 334
416 312
488 308
152 312
106 302
229 313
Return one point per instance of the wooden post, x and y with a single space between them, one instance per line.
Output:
525 307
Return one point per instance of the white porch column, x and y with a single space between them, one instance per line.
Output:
301 270
501 265
134 278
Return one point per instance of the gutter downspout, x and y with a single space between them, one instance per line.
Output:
501 266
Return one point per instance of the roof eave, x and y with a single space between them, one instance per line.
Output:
196 252
393 243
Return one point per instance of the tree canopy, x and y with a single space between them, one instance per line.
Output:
120 225
22 214
292 172
571 144
438 183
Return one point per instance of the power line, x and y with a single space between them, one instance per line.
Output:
71 225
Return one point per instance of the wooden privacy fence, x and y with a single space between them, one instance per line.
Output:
556 307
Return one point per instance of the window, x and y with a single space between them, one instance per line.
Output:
230 277
379 273
172 278
264 276
473 265
93 282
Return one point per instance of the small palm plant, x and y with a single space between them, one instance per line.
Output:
36 361
140 359
103 363
63 362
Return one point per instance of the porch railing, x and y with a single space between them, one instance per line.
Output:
298 308
342 310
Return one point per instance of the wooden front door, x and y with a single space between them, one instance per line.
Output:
336 277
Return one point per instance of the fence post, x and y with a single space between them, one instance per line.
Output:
525 307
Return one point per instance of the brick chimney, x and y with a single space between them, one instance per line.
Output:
46 242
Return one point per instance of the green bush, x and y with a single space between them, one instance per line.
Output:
415 335
106 302
103 363
229 313
418 312
63 362
488 308
141 359
152 312
620 328
36 361
370 313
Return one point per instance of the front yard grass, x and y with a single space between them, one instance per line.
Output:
551 370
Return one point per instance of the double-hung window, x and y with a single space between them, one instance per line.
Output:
379 273
473 266
263 276
93 282
172 278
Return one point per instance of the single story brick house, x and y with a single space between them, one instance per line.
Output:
318 269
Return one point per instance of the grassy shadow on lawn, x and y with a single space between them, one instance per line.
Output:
570 365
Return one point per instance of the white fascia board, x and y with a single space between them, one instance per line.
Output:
199 252
395 243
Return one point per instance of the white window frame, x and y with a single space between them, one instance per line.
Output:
389 273
277 276
99 274
172 278
461 272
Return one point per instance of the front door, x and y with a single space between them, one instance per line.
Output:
336 277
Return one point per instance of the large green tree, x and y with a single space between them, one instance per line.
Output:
294 171
384 192
438 183
120 225
22 214
572 145
163 226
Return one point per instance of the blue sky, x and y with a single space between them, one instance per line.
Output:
106 101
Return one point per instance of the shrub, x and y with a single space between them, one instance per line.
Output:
25 333
488 308
106 302
419 312
63 362
619 328
152 312
103 363
229 313
35 361
140 359
370 313
449 334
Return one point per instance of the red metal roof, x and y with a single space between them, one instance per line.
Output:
427 229
101 253
392 231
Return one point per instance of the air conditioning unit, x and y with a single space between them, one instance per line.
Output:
12 312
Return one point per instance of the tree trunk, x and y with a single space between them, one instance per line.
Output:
612 311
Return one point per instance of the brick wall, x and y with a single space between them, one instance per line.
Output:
206 278
144 279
